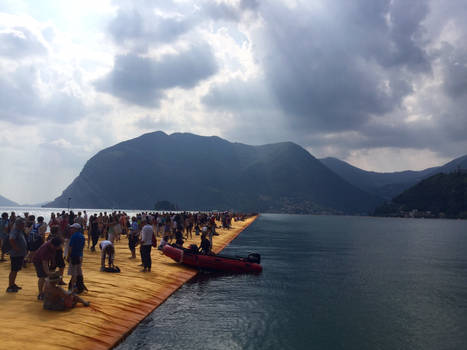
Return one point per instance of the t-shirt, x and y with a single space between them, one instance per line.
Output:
20 240
77 241
134 228
104 244
146 235
42 229
45 253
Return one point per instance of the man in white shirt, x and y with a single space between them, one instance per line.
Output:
107 249
145 239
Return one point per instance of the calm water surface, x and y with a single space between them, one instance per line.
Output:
328 283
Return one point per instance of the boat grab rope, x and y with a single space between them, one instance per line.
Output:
181 257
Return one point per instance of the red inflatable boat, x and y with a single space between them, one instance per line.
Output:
214 262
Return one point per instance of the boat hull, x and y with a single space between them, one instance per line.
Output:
211 262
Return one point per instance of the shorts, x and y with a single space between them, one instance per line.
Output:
132 242
16 263
5 243
40 270
58 260
74 268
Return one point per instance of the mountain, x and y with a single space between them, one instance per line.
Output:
440 195
388 185
203 173
5 202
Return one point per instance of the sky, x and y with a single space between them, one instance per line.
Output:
381 84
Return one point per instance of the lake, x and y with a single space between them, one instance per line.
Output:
329 282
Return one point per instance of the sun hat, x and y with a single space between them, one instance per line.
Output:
76 225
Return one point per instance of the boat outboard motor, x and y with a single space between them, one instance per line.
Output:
254 258
193 248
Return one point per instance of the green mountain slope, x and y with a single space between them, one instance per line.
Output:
211 173
439 195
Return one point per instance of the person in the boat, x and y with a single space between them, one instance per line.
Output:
56 298
178 238
205 246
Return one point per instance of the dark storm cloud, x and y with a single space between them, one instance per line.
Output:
334 70
454 61
229 12
140 27
341 73
143 80
19 42
239 95
21 101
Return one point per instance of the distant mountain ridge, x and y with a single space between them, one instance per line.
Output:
388 185
203 173
5 202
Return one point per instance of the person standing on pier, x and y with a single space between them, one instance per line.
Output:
133 237
4 235
75 254
146 244
18 251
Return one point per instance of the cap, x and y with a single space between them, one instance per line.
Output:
76 225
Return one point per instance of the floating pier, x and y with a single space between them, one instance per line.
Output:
119 301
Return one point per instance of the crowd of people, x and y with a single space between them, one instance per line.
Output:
25 240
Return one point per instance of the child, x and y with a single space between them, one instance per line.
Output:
197 230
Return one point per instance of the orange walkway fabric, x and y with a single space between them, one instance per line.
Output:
118 301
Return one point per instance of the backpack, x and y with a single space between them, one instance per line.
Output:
35 239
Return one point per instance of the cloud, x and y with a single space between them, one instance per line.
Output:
22 100
335 68
143 80
239 95
20 42
138 26
228 11
357 75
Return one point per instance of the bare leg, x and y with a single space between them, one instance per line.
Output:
40 284
12 278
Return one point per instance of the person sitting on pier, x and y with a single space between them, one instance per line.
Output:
107 249
56 298
205 246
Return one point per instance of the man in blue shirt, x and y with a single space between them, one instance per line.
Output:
75 253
